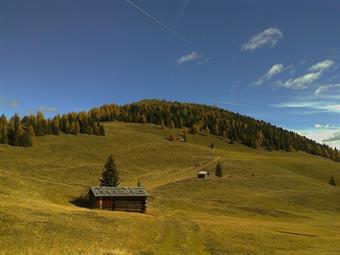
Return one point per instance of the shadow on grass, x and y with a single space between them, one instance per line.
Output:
82 201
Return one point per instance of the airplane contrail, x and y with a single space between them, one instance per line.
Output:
169 29
181 11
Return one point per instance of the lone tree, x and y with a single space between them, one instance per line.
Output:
332 181
110 176
219 170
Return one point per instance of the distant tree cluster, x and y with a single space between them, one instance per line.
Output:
202 119
20 132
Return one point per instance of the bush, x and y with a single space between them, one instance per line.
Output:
332 181
219 170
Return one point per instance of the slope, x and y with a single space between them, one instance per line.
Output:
267 202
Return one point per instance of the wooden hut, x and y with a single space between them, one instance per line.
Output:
132 199
203 174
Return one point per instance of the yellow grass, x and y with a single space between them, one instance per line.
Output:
267 202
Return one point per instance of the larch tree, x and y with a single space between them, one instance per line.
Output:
3 130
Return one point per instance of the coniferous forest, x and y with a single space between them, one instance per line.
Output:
202 119
199 119
20 132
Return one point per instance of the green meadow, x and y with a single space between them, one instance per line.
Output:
266 203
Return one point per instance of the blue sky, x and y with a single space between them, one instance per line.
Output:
272 60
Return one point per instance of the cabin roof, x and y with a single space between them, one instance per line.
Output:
203 172
103 191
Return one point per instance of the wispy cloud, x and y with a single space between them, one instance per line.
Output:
306 80
9 103
167 28
322 66
318 125
334 137
274 70
330 91
329 136
301 82
316 106
188 58
47 109
181 12
269 36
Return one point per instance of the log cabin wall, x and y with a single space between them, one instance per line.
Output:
126 200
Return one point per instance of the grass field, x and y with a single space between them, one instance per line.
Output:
266 203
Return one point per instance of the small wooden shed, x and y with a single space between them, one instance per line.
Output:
203 174
132 199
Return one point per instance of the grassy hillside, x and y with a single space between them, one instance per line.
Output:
267 202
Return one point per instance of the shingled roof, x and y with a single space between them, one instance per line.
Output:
102 191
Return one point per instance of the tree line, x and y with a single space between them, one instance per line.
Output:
203 119
199 119
20 132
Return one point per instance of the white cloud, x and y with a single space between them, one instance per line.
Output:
322 66
328 136
46 109
331 91
274 70
306 80
335 137
189 57
269 36
318 125
301 82
316 106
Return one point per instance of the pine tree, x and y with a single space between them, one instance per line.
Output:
3 135
14 130
219 170
332 181
25 139
67 127
139 184
110 176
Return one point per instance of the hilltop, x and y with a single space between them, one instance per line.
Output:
200 119
268 202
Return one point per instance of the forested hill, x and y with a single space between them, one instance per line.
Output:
199 119
203 119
